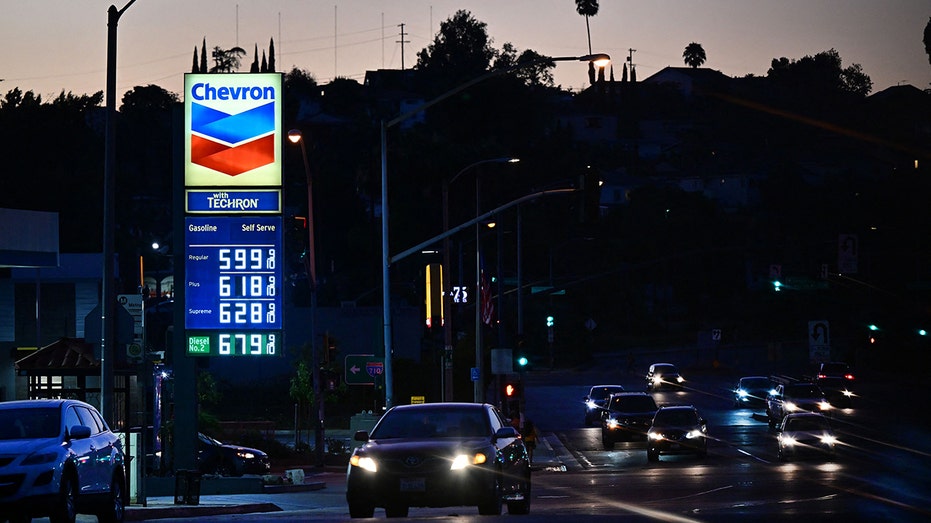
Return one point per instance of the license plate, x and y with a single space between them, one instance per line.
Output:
413 484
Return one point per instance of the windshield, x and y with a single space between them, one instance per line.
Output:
804 391
432 423
665 369
808 423
755 383
600 393
637 403
676 418
30 423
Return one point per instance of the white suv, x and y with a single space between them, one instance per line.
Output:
59 458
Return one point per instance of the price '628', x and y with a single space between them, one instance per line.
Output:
247 313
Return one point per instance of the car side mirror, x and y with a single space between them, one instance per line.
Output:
79 432
361 435
506 432
585 399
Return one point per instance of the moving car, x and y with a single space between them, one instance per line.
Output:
791 397
439 455
752 390
58 458
628 416
805 433
215 457
836 381
677 429
662 375
595 402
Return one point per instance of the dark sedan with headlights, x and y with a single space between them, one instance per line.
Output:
677 429
628 416
752 390
662 375
805 433
596 400
439 455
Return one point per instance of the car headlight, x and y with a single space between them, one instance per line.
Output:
462 461
786 440
692 434
40 458
791 407
655 436
680 379
828 439
591 405
657 380
824 405
848 393
612 423
245 454
364 463
742 393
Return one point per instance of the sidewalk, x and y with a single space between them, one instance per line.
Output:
548 457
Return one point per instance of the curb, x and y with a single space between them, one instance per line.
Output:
147 513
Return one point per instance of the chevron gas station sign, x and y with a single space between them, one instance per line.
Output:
231 135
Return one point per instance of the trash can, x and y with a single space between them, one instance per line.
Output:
187 487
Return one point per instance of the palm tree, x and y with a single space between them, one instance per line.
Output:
694 55
587 8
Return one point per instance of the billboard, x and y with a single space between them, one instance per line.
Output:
232 134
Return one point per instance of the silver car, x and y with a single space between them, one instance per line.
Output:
59 458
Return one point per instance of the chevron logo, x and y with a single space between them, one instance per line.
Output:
232 143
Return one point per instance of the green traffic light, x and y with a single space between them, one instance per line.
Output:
522 361
550 321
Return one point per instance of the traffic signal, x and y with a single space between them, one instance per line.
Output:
522 361
550 321
512 390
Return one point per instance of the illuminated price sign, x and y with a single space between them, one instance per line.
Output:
233 274
234 343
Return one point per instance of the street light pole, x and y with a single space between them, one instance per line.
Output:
296 137
600 60
447 290
107 290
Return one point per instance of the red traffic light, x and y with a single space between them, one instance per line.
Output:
510 390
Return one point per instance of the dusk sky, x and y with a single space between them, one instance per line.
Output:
55 45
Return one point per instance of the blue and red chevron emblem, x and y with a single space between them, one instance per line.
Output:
232 143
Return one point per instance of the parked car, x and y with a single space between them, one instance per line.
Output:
215 457
677 429
439 455
794 397
662 375
58 458
595 402
752 390
628 416
805 433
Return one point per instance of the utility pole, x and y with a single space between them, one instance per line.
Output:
402 41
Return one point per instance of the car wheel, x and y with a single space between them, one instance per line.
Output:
361 510
114 511
607 443
491 504
652 456
64 509
522 507
396 511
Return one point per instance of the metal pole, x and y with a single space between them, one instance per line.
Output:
108 292
447 374
479 384
386 265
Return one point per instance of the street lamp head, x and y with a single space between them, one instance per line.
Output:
295 136
599 59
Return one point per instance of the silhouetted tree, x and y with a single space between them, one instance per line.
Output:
271 55
539 72
821 73
460 50
226 60
927 40
194 68
255 60
587 8
694 55
203 56
264 67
